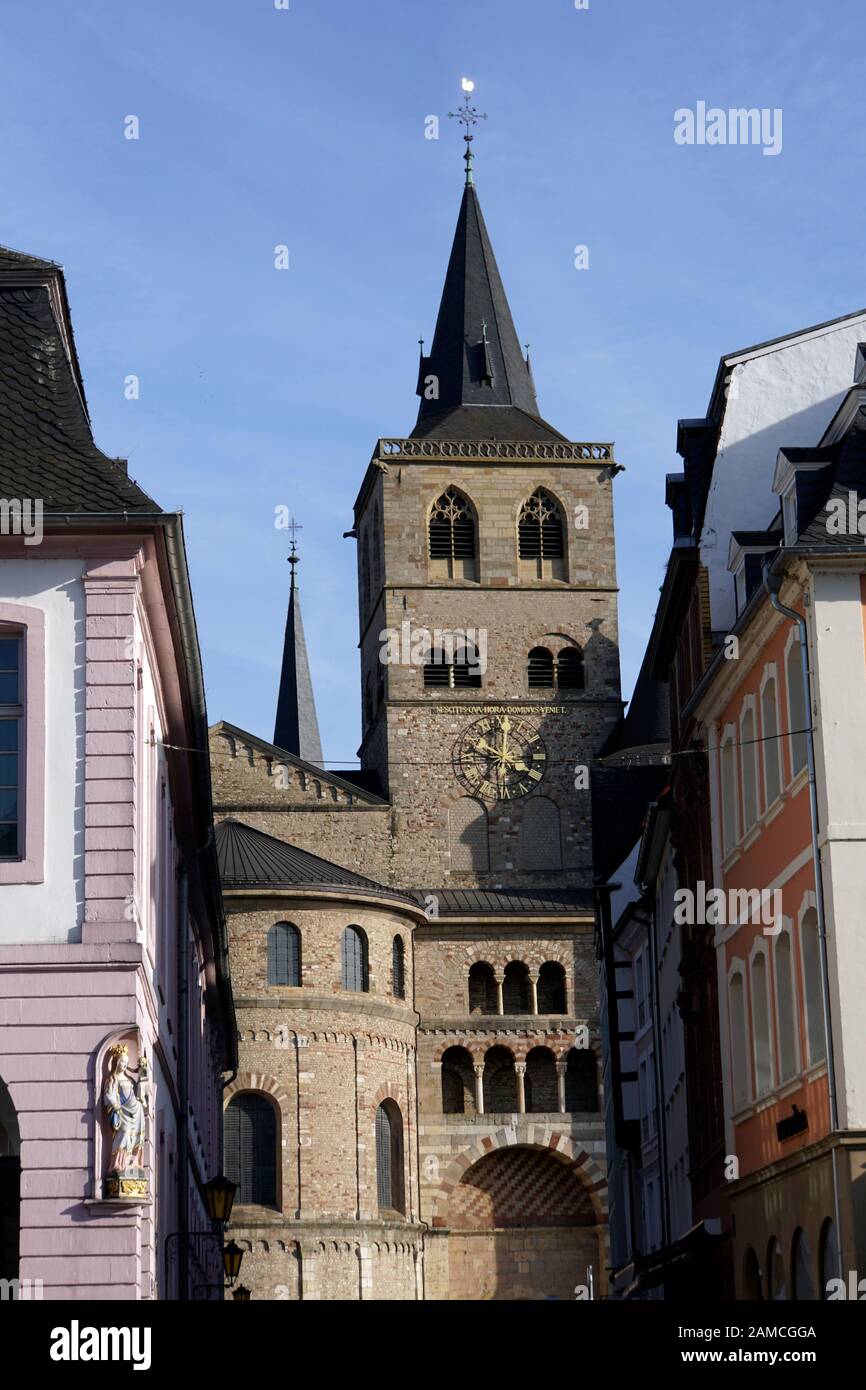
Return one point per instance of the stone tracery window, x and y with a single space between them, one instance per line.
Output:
452 537
541 537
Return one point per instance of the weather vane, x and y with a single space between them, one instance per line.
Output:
294 527
468 117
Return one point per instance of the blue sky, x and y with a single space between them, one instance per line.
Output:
258 127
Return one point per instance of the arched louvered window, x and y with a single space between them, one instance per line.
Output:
355 972
389 1157
437 668
251 1148
466 669
541 537
452 535
569 669
398 968
540 668
284 954
463 673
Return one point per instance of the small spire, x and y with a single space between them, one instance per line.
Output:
297 728
468 117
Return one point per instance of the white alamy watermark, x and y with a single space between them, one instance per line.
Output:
22 516
420 646
739 125
846 516
720 907
20 1290
77 1343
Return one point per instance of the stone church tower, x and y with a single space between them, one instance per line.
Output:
412 943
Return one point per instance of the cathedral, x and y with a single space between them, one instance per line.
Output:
417 1112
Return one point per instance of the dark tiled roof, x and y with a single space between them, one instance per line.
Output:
297 727
646 725
20 260
476 357
249 858
844 473
484 422
620 797
506 902
46 446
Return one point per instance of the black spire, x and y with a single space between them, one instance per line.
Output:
476 362
297 728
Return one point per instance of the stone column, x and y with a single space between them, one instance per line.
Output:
500 1005
533 985
560 1084
479 1088
520 1070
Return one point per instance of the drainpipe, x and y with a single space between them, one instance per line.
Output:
773 585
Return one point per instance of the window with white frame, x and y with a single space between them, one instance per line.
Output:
737 1016
798 715
786 1008
761 1041
749 761
812 988
730 815
770 741
11 743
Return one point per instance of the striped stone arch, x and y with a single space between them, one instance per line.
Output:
559 1145
259 1081
474 1046
390 1091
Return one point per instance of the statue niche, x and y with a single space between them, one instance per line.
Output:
126 1102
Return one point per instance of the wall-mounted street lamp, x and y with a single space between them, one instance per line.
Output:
218 1196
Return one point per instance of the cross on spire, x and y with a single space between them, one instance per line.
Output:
294 527
468 116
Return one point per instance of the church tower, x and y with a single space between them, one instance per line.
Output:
417 1113
487 591
490 679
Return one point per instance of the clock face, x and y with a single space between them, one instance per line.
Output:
500 757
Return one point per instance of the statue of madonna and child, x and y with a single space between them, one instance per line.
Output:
126 1098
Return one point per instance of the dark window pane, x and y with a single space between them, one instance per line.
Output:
8 805
397 968
354 960
251 1148
8 735
9 648
284 955
8 841
8 770
8 688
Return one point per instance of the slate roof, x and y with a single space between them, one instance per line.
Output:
46 445
476 356
844 472
646 725
620 797
507 902
297 727
249 858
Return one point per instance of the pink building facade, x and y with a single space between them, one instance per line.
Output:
111 928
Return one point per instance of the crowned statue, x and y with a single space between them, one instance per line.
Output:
126 1098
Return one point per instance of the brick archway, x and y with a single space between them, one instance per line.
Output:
523 1221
